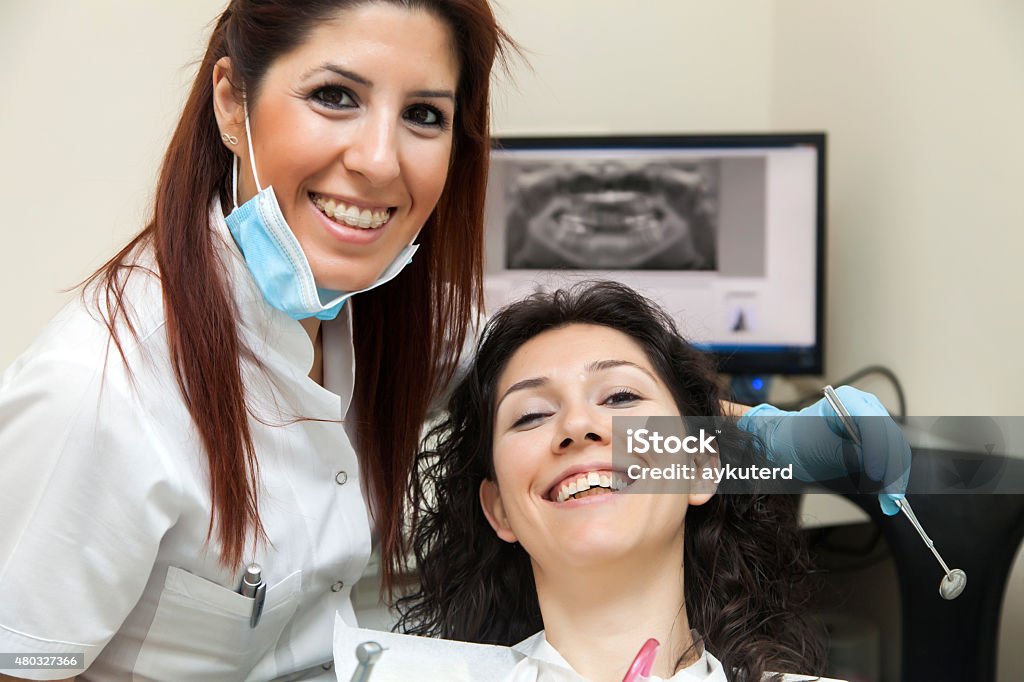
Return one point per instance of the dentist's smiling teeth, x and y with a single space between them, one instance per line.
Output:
589 484
352 216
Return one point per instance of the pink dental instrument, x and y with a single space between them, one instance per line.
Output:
640 668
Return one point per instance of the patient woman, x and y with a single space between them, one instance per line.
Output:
514 533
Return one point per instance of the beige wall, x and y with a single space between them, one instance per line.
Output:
922 101
91 90
643 66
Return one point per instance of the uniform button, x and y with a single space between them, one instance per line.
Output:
336 587
341 478
328 665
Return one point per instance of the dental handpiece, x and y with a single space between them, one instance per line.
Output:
367 654
955 580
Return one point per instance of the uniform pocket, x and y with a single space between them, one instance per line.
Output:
201 629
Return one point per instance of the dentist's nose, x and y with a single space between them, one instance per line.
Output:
577 428
373 152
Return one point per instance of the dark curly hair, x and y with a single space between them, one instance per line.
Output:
746 565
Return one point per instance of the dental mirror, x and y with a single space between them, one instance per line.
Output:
954 582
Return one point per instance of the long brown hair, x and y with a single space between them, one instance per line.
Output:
407 336
746 566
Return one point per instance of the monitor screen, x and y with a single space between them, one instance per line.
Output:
726 232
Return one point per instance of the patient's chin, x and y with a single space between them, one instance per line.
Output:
584 544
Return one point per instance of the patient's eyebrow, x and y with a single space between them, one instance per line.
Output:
535 382
601 365
596 366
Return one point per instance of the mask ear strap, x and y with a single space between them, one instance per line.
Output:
234 179
248 141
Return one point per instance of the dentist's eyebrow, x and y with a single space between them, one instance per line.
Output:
434 94
341 71
362 80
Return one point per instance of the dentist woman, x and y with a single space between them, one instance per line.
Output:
217 398
202 407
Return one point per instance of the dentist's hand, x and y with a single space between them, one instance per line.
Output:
815 446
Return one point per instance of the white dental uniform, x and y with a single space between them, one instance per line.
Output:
105 500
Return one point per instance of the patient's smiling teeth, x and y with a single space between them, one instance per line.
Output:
588 484
352 216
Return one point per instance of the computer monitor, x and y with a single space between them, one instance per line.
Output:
726 232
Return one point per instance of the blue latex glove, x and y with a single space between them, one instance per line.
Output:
815 446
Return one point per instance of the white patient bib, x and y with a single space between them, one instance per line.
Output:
426 659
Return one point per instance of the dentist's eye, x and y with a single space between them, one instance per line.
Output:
426 116
333 97
621 397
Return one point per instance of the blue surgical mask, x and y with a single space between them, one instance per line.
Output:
276 259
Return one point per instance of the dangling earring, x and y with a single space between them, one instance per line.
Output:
230 139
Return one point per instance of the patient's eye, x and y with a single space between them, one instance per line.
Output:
622 396
528 419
